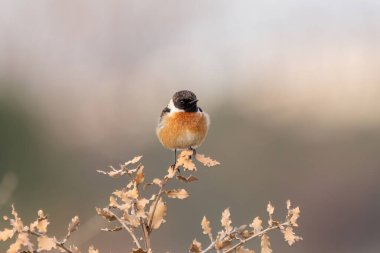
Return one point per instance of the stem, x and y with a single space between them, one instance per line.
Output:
156 203
165 181
246 240
142 222
135 240
145 235
155 207
255 235
59 244
209 247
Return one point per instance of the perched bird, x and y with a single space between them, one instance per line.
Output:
182 125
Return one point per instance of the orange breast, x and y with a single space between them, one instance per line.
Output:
181 130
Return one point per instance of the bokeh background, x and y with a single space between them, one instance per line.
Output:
292 87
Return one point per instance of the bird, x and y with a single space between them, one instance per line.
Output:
182 124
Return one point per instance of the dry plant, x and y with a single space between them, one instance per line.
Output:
132 210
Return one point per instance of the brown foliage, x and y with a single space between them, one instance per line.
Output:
232 239
140 214
38 229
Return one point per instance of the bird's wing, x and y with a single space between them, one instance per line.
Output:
164 112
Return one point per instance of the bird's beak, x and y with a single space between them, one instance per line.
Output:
193 102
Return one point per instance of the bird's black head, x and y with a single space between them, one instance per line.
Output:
185 100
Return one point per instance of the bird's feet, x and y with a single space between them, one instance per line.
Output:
194 152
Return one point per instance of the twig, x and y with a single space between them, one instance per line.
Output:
255 235
145 235
154 209
135 240
142 222
59 244
166 179
243 241
209 247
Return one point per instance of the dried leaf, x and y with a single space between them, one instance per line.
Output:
206 161
244 250
113 202
105 213
22 241
153 197
132 220
113 173
265 244
241 228
139 251
6 234
46 243
159 214
186 153
133 194
91 249
270 210
245 234
256 225
171 172
17 223
206 226
41 223
119 194
130 185
140 206
290 237
179 194
195 246
134 160
157 181
288 204
219 244
293 215
14 247
111 229
188 179
139 175
185 161
226 220
125 196
189 165
73 225
73 248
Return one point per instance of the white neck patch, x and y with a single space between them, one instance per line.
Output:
172 107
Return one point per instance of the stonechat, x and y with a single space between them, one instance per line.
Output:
182 125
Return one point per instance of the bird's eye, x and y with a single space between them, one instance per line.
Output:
181 102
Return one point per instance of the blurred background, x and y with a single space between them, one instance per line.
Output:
292 87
